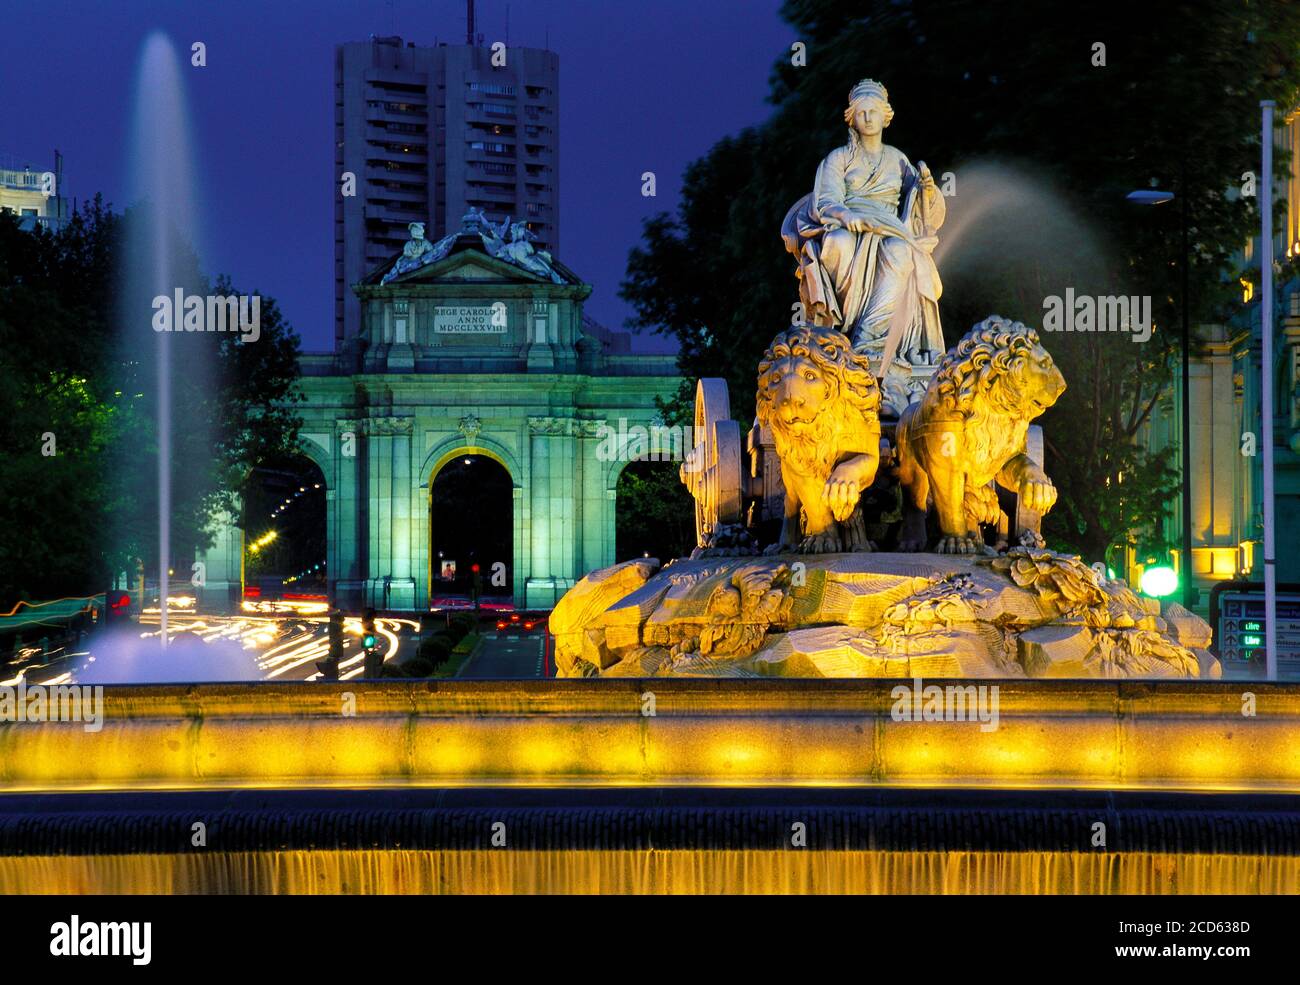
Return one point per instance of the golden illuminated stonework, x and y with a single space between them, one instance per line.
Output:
821 601
1029 613
820 401
968 434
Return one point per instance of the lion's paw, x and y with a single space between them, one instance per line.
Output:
913 537
959 545
823 543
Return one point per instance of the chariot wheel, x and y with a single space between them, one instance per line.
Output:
713 469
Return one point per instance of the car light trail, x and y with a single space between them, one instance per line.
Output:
284 644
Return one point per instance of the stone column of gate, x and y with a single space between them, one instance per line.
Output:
216 576
376 488
596 507
406 504
555 490
343 513
390 491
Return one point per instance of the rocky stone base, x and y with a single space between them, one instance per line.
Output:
1027 613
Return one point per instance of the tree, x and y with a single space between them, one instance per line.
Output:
78 360
1043 134
56 422
655 514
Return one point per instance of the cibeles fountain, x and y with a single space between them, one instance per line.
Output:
862 417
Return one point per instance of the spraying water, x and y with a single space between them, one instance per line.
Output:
1007 228
120 659
161 166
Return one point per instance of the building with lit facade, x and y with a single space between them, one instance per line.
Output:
428 133
1226 425
482 358
29 194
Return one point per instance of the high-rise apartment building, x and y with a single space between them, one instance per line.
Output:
429 132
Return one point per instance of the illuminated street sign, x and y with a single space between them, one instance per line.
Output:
1237 615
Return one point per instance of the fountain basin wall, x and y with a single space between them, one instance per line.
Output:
1185 735
639 840
667 872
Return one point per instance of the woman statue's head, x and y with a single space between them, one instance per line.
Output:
868 110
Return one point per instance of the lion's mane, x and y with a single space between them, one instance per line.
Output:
974 371
854 396
988 379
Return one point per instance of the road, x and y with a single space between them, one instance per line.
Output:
257 645
507 654
202 647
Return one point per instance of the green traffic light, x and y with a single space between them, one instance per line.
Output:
1159 581
369 641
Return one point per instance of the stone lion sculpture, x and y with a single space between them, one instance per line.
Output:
968 431
821 402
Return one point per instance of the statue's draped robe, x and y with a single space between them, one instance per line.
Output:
864 283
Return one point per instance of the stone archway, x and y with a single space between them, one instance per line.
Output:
286 547
653 512
472 522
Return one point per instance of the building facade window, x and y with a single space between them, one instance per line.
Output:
492 88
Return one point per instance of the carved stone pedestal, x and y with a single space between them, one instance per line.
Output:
1027 613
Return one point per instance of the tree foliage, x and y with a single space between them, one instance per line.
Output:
78 411
655 514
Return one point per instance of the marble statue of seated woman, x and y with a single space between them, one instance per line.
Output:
863 241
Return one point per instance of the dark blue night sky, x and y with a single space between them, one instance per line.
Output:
644 86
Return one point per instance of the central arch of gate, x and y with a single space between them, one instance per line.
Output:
480 357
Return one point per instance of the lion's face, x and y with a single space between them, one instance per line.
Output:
813 391
1031 385
798 392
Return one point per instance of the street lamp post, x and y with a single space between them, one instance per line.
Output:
1156 197
1266 385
